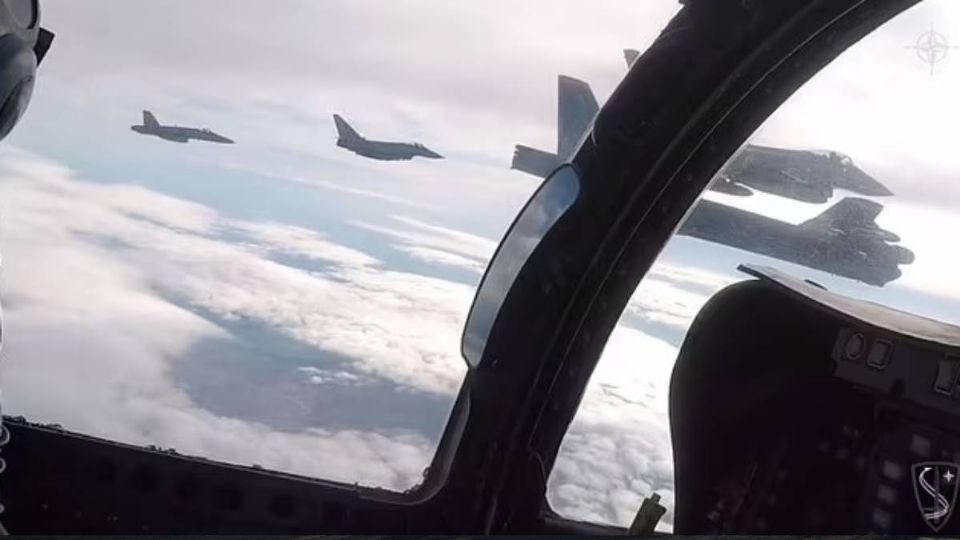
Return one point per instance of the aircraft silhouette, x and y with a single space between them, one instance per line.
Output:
386 151
178 134
844 240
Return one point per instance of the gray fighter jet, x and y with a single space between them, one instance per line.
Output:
809 176
178 134
844 240
387 151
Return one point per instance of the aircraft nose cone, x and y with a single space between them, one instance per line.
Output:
432 155
216 137
904 255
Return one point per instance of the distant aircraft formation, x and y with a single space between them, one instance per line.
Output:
843 240
347 138
178 134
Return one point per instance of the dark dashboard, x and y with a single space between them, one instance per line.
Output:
795 410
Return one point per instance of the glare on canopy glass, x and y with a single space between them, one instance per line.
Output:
548 204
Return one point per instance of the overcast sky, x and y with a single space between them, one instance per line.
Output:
145 282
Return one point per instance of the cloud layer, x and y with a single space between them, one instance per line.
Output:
105 287
112 293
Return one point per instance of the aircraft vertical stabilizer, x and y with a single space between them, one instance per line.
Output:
344 131
576 109
150 120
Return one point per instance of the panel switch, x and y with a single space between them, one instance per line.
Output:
879 356
947 373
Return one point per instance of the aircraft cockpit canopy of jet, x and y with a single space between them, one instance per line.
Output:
681 267
843 159
838 157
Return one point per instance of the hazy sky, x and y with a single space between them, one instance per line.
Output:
284 302
470 79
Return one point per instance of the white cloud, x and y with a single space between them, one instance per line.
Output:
325 376
469 245
82 269
291 240
439 256
356 308
435 244
673 296
361 192
84 263
617 450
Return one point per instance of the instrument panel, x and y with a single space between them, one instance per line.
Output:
797 411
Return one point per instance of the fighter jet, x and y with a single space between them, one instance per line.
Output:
387 151
809 176
844 240
178 134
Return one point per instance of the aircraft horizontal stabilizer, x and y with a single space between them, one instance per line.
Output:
856 219
533 161
848 214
